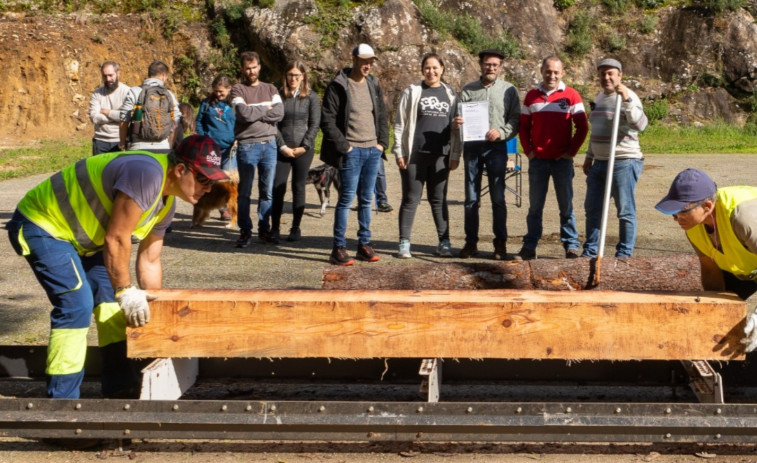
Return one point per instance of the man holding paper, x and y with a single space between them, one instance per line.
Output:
485 147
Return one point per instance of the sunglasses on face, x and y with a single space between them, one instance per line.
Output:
688 209
200 178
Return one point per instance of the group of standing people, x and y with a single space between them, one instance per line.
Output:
274 133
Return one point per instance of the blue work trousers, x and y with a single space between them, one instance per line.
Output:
76 286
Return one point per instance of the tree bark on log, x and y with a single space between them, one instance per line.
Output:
678 273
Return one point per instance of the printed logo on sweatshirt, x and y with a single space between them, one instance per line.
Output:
433 103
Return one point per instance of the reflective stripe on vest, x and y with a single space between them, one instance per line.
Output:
72 204
734 257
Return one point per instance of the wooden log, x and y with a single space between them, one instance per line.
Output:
678 273
505 324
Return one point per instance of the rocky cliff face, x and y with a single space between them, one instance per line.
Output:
699 63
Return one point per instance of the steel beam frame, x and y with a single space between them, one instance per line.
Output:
379 421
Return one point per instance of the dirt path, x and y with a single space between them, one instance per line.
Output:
207 258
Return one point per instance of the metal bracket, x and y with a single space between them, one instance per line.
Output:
168 378
706 383
432 370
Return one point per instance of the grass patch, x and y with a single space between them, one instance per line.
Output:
49 156
715 138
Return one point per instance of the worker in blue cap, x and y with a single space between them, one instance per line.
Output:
721 224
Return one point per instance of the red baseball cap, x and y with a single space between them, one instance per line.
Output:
203 154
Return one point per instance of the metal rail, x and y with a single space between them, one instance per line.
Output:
379 421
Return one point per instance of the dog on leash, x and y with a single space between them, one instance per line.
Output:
221 194
323 177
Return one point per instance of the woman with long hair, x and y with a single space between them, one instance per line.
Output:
295 140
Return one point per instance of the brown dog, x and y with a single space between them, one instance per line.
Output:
221 194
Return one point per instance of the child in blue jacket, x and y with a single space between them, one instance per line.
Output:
216 118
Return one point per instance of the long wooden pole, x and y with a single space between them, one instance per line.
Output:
608 188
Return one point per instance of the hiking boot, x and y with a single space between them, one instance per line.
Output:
404 251
294 235
444 249
366 253
244 239
500 250
225 216
572 254
384 207
525 254
469 250
339 256
269 237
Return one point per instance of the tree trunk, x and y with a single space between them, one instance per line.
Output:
679 273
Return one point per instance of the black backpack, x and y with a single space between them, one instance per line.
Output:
152 119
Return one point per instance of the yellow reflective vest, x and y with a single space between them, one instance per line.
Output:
72 204
734 257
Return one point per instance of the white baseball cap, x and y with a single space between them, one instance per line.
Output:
364 51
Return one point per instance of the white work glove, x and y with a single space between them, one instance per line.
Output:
133 302
237 100
750 329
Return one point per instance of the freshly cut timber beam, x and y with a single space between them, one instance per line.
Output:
506 324
679 273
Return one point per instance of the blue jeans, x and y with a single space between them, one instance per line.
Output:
539 172
228 162
358 175
625 176
76 286
494 157
249 157
380 189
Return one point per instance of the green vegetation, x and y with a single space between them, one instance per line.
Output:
467 30
580 36
656 110
719 137
49 156
647 24
564 4
616 7
719 6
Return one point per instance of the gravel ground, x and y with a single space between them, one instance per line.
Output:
207 258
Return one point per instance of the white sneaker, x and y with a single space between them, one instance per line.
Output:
404 250
444 249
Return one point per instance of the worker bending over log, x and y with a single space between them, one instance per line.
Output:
75 230
721 224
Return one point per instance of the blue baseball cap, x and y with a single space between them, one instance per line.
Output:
689 186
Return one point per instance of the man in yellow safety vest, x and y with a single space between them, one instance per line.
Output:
75 231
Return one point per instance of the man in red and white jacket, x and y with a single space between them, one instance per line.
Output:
549 115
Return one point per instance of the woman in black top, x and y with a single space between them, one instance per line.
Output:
295 139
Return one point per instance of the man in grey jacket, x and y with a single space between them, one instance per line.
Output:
355 135
490 153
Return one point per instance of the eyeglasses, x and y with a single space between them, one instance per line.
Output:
491 65
200 178
689 209
294 76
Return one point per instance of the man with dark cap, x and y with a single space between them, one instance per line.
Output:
75 231
490 153
721 224
355 135
629 160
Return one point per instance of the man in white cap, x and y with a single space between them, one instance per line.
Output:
355 135
629 161
721 224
